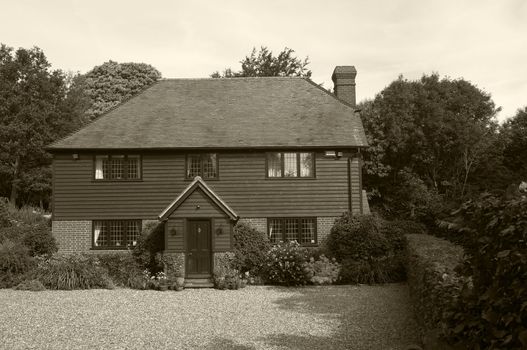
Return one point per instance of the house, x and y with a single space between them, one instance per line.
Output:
199 155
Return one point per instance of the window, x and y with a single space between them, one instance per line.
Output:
290 165
115 234
204 165
302 230
118 167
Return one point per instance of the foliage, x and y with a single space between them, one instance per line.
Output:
15 262
111 83
369 249
433 134
150 243
264 64
4 212
75 271
491 310
432 279
225 275
250 248
123 270
173 264
35 110
31 285
322 270
514 132
285 264
404 227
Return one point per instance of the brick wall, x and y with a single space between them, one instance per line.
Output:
259 224
72 236
324 225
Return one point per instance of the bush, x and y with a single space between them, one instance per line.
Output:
358 237
285 264
75 271
15 263
432 280
250 248
150 243
407 227
123 270
4 212
36 237
31 285
491 311
322 270
370 249
225 276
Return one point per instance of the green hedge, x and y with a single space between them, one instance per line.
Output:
431 277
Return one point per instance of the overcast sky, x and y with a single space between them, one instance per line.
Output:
482 41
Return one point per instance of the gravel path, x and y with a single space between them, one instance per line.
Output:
335 317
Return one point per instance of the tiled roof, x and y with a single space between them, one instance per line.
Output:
224 113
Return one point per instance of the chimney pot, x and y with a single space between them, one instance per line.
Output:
344 83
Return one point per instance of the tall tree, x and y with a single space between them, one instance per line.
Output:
111 83
514 132
264 64
34 111
438 129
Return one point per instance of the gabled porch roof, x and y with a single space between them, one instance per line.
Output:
198 183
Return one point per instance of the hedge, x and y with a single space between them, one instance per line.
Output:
432 281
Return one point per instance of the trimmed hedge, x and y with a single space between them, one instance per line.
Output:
250 248
432 281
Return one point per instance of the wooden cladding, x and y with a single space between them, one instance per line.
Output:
244 186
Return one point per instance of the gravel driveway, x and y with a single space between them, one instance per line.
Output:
335 317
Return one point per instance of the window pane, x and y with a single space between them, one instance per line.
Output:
291 229
117 167
209 166
274 164
275 230
134 167
99 168
290 166
193 166
308 231
116 233
133 233
306 164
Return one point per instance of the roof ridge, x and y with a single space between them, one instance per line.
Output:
331 94
231 78
102 115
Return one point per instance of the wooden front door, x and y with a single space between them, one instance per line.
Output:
198 249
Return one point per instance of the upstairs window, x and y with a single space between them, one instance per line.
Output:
118 167
301 230
115 234
204 165
290 165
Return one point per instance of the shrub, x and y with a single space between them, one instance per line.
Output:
322 270
26 215
123 270
285 264
36 237
407 227
31 285
15 262
432 280
491 311
250 248
75 271
4 212
358 237
173 264
150 243
370 249
225 276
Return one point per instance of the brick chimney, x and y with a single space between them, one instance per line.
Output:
344 79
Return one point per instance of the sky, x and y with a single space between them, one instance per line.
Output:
482 41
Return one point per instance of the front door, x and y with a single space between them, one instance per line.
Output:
198 249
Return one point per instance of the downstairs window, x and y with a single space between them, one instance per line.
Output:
115 234
302 230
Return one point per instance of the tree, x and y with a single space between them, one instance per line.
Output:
514 132
438 129
111 83
34 111
264 64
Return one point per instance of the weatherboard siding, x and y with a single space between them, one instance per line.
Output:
242 184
